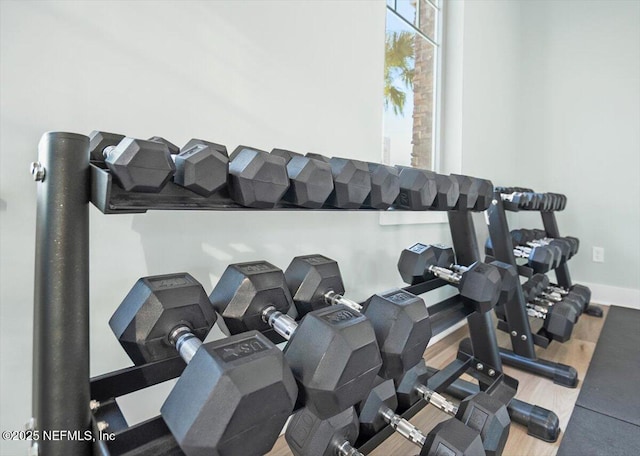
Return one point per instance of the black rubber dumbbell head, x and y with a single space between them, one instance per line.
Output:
311 181
468 187
234 397
286 154
140 166
559 321
173 149
335 358
489 417
382 394
385 186
481 286
485 195
448 192
307 434
405 385
309 278
351 182
256 178
201 142
403 329
99 141
245 290
541 259
202 169
509 279
453 438
418 189
153 308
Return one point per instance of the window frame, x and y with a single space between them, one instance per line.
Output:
447 126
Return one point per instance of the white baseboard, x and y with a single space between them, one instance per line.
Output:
617 296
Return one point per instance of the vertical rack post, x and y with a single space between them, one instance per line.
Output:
481 327
520 330
61 297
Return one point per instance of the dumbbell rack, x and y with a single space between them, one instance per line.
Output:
523 340
64 396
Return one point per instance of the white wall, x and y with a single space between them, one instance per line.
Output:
580 119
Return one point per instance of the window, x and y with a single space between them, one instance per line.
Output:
412 82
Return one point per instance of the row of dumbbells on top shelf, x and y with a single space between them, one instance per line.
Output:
528 200
351 367
541 252
258 179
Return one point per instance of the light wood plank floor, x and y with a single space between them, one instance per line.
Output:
576 352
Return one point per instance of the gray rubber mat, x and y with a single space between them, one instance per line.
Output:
611 386
594 434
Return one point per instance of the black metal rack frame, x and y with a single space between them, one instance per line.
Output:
64 397
516 323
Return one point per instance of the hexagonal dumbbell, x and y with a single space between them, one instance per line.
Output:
475 194
577 293
527 238
559 319
480 411
418 189
218 406
479 284
451 437
400 319
351 181
540 259
308 435
468 187
385 186
485 195
535 290
201 166
257 178
138 165
332 351
311 181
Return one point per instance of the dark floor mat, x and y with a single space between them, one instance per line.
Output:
594 434
612 381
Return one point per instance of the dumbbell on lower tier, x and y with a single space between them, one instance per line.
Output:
378 411
400 319
527 238
541 284
332 352
540 259
541 236
495 422
479 284
559 317
218 405
307 434
402 327
577 291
